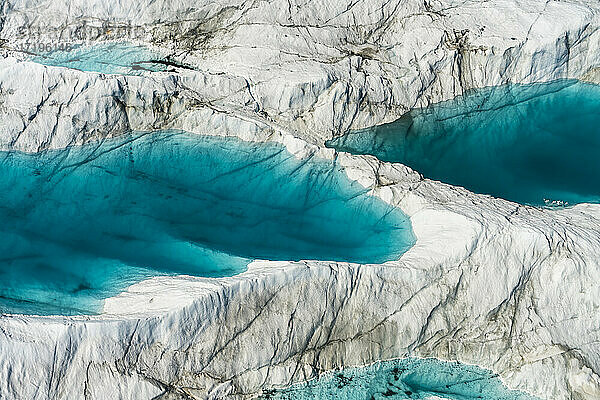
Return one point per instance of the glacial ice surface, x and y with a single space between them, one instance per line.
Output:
109 58
410 378
535 144
80 224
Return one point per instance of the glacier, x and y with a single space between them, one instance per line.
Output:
508 287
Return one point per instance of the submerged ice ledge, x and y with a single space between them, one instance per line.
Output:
410 378
82 223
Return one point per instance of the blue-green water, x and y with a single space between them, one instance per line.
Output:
403 379
80 224
109 58
533 144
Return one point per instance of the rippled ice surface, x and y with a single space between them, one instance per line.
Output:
108 58
535 144
80 224
404 379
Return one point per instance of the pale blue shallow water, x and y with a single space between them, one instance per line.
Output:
109 58
410 378
532 144
80 224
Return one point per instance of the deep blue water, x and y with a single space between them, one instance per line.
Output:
80 224
403 379
533 144
109 58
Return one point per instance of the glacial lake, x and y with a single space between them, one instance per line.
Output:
108 58
80 224
410 378
536 144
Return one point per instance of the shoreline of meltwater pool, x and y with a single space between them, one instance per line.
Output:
534 143
84 222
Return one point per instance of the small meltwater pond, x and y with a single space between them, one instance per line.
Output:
108 58
410 378
80 224
536 144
